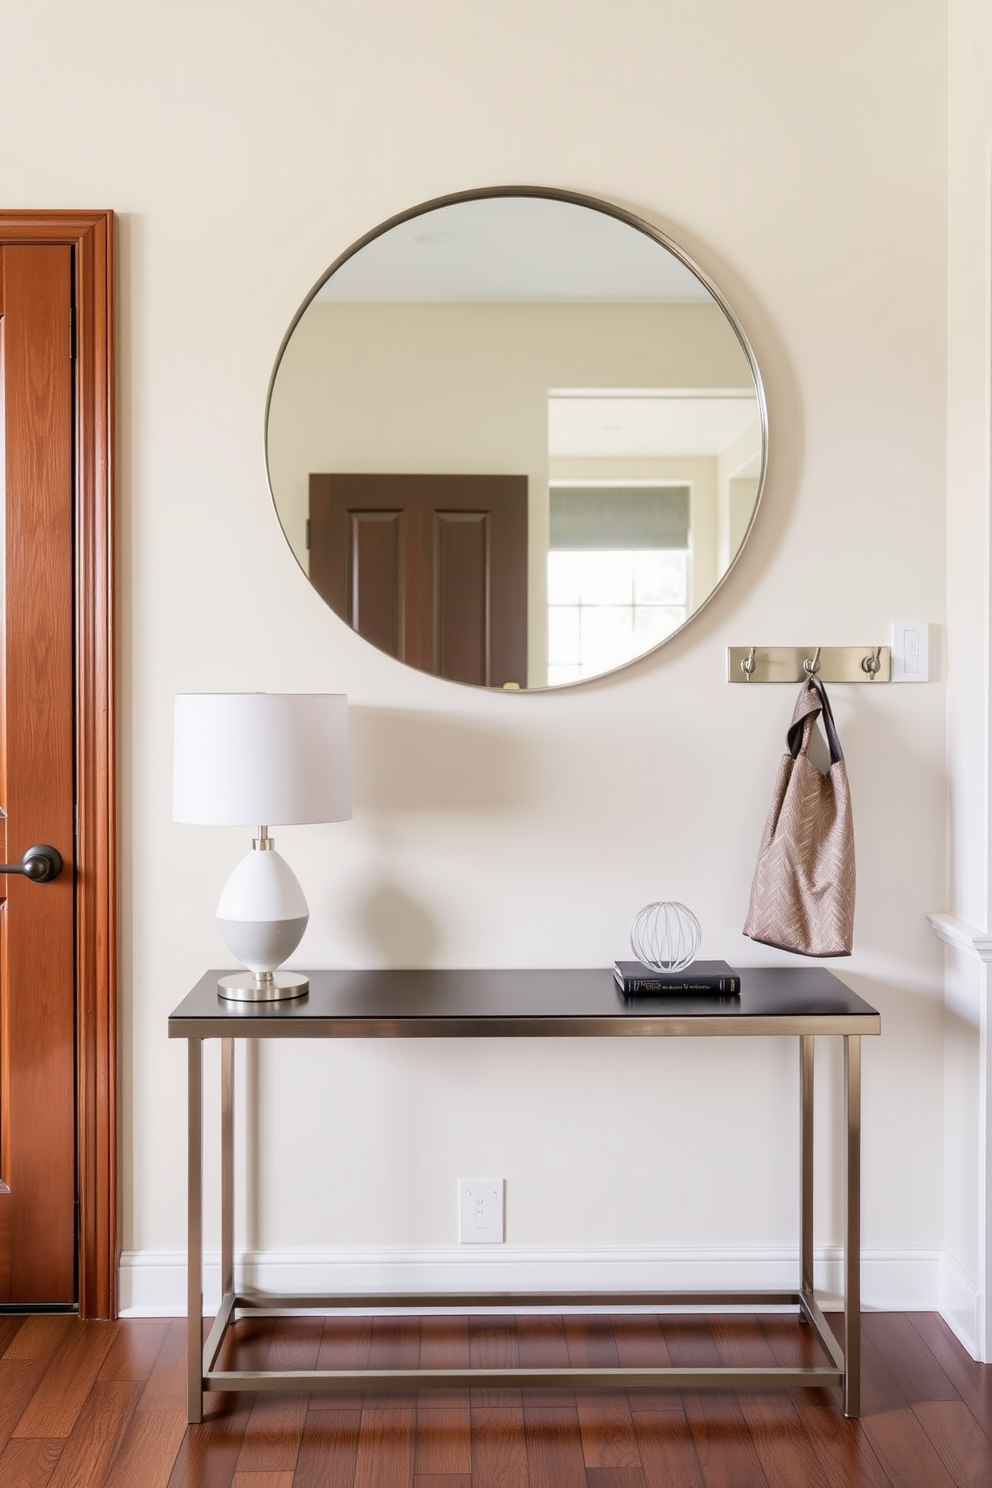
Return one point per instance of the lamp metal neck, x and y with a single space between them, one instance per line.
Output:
263 842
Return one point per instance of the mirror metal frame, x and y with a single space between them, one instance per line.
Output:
608 209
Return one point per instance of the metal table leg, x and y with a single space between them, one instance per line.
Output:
852 1238
806 1164
194 1235
226 1167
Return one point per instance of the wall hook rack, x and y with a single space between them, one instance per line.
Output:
794 663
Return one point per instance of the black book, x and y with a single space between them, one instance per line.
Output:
699 976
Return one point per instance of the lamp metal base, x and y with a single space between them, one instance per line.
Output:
274 986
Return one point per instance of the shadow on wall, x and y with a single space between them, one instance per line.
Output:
419 762
399 929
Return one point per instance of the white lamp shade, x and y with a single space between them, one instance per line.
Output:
261 758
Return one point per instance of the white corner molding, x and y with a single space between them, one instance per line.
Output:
962 936
960 1304
153 1283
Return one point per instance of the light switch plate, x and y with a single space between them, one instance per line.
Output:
480 1211
910 651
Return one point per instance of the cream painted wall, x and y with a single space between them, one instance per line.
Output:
244 146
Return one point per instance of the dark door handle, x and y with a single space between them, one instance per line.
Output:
40 863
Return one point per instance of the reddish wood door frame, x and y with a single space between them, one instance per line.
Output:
91 236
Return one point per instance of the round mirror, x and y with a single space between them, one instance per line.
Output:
515 438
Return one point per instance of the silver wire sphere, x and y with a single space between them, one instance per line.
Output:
665 936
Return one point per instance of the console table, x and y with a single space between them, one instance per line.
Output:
781 1002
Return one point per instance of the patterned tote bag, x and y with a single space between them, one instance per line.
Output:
802 895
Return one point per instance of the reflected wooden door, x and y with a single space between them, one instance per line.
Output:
430 568
37 920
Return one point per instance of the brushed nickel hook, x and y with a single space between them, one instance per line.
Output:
812 667
747 665
873 664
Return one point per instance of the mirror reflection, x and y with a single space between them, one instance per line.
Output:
515 439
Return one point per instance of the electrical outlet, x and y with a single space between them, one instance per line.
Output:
480 1211
910 651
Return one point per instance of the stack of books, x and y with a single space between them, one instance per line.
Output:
633 979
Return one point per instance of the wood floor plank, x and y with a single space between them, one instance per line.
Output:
959 1441
329 1449
385 1448
787 1453
442 1480
792 1342
208 1453
275 1425
722 1440
10 1323
165 1389
972 1381
444 1438
444 1344
641 1342
541 1343
781 1444
262 1480
553 1443
904 1450
40 1337
148 1451
137 1344
19 1378
666 1448
689 1341
913 1365
606 1425
97 1433
345 1344
443 1420
896 1436
274 1434
499 1457
395 1344
615 1477
841 1444
59 1398
30 1463
606 1428
493 1345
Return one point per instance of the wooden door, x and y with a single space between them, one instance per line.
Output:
37 930
430 568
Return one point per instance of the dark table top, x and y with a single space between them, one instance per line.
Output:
525 1004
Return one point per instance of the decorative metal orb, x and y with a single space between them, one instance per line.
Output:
665 936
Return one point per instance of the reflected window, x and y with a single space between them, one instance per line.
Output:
618 574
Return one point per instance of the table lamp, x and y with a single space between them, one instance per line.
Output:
247 758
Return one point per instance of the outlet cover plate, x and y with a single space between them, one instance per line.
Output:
480 1211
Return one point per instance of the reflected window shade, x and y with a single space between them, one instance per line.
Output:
619 518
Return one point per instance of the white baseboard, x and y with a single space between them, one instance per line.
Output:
960 1305
153 1282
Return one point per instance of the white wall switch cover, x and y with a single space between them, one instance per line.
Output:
480 1211
910 651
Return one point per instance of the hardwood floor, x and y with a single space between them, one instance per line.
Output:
101 1405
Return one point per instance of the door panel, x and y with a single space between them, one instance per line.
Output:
430 568
37 921
461 598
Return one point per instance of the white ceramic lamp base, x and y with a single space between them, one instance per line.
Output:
262 915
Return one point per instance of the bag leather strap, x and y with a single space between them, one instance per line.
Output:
811 703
